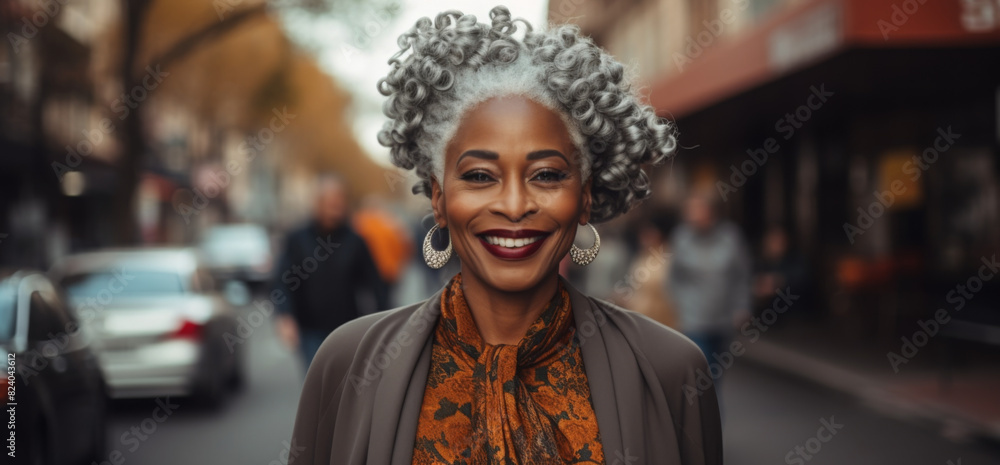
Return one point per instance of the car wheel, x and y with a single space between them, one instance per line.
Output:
237 376
212 390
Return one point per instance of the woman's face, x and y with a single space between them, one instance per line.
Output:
512 195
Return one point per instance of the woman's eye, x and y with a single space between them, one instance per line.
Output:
477 176
551 176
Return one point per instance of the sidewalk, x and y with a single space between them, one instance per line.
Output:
964 407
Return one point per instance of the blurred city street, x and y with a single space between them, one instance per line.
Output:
195 193
252 427
767 414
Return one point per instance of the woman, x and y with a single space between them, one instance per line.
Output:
517 142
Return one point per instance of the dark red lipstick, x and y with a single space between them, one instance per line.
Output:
513 253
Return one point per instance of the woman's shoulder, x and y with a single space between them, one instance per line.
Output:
354 339
667 349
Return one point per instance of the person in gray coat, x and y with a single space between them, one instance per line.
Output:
710 277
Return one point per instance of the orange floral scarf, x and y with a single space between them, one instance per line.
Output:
504 404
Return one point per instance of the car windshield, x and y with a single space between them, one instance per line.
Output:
244 238
123 283
240 235
8 312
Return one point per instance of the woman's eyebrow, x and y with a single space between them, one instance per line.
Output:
488 155
539 154
484 154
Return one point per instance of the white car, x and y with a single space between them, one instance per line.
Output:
160 326
238 252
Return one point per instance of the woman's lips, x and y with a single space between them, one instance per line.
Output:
510 244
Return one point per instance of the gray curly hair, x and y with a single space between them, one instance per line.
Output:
456 62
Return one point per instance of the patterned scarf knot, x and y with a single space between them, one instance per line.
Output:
506 404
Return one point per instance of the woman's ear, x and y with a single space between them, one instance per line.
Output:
437 203
586 202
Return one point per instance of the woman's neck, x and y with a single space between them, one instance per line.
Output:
504 317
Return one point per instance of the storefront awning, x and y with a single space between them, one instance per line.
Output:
813 31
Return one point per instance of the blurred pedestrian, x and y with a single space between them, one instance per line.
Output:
387 237
710 275
324 265
779 267
644 291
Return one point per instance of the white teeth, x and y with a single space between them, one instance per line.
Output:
511 242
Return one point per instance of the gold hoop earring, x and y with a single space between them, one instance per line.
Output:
434 258
583 257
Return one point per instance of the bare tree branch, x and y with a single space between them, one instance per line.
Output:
189 43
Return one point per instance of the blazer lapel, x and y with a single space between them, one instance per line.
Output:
404 358
631 397
406 431
591 326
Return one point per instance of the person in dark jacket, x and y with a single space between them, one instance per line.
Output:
324 266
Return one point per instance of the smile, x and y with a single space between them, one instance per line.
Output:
511 244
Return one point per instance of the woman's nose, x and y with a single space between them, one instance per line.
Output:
515 201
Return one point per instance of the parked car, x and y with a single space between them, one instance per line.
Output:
161 327
52 375
238 252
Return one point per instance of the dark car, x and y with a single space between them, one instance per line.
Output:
52 379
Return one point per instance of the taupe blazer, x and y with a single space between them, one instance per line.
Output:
362 393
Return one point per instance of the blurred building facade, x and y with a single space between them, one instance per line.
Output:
867 128
233 123
46 111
